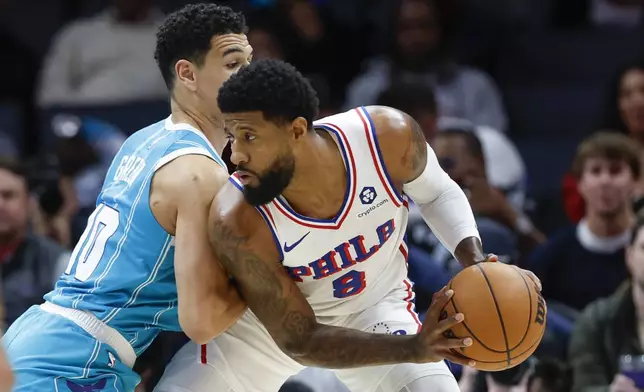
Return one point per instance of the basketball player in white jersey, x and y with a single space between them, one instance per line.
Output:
323 207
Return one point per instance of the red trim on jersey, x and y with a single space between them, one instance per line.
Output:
409 289
404 251
410 305
335 223
267 211
204 354
376 161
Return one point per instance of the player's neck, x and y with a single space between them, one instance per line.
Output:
320 179
612 225
211 126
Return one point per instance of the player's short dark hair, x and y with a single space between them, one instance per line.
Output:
186 34
608 145
472 142
272 87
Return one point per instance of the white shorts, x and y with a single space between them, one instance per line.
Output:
246 359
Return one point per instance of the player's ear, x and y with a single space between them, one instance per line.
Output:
299 127
186 75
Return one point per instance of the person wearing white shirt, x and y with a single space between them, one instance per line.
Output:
104 59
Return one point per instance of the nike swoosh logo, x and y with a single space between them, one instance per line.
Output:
288 248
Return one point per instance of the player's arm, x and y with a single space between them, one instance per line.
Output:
6 376
182 192
244 245
413 167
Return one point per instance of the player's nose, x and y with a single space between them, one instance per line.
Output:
238 157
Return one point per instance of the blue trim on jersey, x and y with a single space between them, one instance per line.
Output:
273 233
347 163
379 152
235 183
266 218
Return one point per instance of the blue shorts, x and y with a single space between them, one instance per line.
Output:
50 353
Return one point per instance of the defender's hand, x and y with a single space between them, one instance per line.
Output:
434 345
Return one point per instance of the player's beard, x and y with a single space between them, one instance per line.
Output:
272 182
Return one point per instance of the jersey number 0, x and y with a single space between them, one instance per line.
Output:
101 225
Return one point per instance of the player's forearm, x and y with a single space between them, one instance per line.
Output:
235 308
202 306
469 251
337 348
441 202
451 219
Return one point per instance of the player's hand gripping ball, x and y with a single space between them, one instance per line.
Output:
505 314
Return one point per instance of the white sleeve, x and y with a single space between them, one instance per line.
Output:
443 204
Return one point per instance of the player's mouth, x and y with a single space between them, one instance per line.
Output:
244 176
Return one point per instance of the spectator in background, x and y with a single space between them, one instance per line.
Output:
460 154
7 146
430 264
624 113
536 375
29 264
612 327
85 147
581 13
418 100
104 59
591 254
418 56
317 45
264 42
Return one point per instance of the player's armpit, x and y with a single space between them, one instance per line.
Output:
181 194
244 245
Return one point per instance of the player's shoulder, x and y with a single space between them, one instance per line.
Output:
387 120
232 209
190 173
383 119
400 139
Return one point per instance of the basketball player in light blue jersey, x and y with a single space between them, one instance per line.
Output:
144 263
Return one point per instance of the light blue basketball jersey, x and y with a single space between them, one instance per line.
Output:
122 269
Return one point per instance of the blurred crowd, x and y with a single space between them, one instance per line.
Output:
534 107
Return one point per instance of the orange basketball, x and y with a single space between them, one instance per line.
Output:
505 315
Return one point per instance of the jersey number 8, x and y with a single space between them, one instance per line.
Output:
350 284
101 225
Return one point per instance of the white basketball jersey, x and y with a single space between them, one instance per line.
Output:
349 263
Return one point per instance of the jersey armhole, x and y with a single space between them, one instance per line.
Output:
266 215
376 155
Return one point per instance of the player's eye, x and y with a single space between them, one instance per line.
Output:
249 137
232 65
